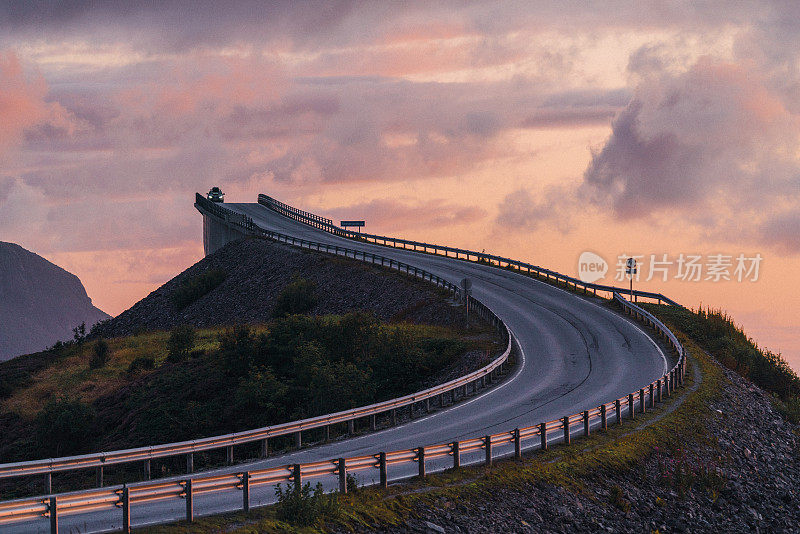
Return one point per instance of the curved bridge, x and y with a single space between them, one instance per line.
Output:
580 366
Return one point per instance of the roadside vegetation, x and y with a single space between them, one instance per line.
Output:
197 286
158 387
716 332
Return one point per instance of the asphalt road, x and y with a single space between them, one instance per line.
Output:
575 355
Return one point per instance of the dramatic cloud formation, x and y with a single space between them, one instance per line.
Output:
23 106
715 139
715 131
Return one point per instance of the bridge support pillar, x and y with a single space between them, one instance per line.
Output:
217 233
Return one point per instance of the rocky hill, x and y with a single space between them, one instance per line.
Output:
41 302
249 274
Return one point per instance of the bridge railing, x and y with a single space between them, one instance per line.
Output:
458 253
539 436
146 454
485 449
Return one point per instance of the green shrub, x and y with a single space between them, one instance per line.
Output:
99 354
790 409
192 289
180 343
296 298
64 426
617 498
239 349
303 506
141 363
79 332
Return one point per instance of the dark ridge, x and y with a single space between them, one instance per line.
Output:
40 303
257 270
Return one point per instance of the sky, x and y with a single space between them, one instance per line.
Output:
534 130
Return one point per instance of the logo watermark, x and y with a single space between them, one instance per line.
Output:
663 267
591 267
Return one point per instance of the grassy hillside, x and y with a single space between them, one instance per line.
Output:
717 333
224 380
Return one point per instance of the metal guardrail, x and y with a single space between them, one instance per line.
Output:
146 454
539 436
533 437
480 257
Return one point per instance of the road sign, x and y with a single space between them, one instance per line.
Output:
466 284
630 268
355 224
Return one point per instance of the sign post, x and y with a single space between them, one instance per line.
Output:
630 270
466 285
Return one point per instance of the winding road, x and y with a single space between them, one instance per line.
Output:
573 354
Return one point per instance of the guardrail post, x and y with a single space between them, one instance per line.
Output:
351 427
421 461
190 463
297 478
125 502
372 423
341 468
298 439
455 449
99 476
631 406
48 483
189 501
394 417
652 396
565 424
603 417
641 400
229 454
517 444
586 422
52 509
618 408
487 445
265 448
428 405
382 468
543 435
147 469
246 491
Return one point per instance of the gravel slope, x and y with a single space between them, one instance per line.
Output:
258 270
